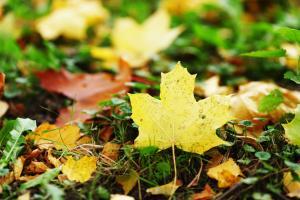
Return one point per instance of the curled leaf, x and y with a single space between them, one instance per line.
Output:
245 103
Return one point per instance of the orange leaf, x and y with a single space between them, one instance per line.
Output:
205 194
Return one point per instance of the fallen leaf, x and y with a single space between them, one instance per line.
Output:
106 133
54 161
246 102
205 194
48 135
292 186
3 105
36 167
111 151
18 167
178 119
79 170
128 181
227 173
179 7
120 197
3 108
71 19
11 25
86 89
25 196
137 43
166 190
211 87
292 53
7 179
292 129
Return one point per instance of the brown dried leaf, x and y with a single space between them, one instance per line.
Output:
111 151
36 167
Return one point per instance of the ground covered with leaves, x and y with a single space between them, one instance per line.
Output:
170 99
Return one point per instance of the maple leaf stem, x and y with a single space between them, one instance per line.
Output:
175 170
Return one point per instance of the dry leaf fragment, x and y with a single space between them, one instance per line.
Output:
206 194
71 19
245 102
166 190
120 197
3 105
36 167
137 43
7 179
25 196
48 135
54 161
178 119
211 87
18 167
79 170
179 7
128 181
292 55
227 173
111 151
292 186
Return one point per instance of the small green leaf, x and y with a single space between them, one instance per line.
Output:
292 76
248 148
289 34
265 53
262 155
42 179
271 101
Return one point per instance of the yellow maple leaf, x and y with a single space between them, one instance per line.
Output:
79 170
48 135
178 119
70 19
227 173
137 43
